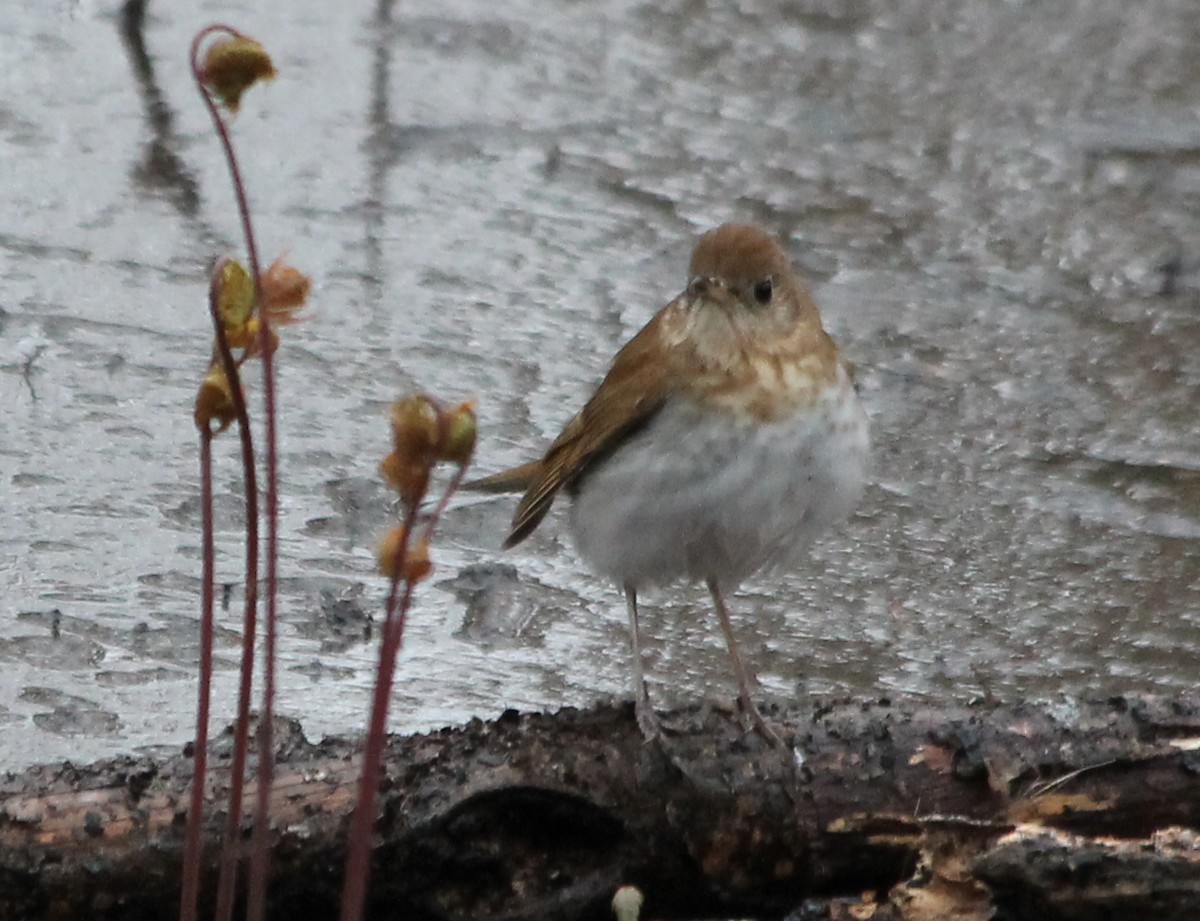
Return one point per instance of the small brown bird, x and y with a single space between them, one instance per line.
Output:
726 435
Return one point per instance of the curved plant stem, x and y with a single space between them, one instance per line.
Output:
191 847
451 489
239 189
227 879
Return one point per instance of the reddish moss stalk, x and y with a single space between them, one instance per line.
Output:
227 876
362 823
192 862
227 879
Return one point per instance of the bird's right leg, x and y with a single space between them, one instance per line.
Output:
647 720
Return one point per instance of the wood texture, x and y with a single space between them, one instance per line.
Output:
884 810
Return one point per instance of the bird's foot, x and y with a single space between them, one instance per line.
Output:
751 718
647 719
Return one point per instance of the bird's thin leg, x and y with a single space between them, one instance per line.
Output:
646 719
745 700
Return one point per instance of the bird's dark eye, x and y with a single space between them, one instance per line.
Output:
762 291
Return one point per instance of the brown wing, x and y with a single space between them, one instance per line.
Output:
634 389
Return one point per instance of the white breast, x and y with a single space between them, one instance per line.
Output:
697 496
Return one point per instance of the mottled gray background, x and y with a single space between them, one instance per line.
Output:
997 203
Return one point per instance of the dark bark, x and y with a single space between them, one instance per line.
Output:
881 810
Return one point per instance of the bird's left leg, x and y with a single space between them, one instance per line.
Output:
745 700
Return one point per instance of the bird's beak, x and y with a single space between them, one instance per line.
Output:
713 291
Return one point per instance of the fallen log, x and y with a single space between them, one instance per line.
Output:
880 809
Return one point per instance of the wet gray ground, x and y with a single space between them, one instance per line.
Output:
492 198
